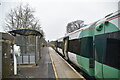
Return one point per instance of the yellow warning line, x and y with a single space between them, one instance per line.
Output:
54 68
72 67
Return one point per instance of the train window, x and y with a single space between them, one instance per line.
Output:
100 47
74 46
113 53
60 44
86 47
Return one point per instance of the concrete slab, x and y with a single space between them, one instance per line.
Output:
50 66
62 68
44 68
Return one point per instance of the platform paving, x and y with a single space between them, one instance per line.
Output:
44 68
63 69
50 66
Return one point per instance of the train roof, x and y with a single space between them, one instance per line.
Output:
83 28
109 17
106 18
77 31
60 39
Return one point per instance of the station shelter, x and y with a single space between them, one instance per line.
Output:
30 42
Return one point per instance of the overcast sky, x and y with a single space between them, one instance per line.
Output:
55 14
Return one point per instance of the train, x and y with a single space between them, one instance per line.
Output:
94 48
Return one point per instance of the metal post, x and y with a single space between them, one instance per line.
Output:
35 51
29 59
15 64
22 58
25 44
39 47
0 56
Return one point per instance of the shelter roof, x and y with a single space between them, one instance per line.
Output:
25 32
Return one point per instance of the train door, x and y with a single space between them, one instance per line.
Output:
99 47
111 63
107 49
56 45
66 41
111 67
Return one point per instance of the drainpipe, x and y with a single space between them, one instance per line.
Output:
15 64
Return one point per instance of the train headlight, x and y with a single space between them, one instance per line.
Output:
100 27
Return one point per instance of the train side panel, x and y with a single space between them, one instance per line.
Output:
85 57
80 50
107 44
60 46
96 49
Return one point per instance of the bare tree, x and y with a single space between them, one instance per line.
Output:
22 18
75 25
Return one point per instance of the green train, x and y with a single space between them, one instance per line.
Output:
95 48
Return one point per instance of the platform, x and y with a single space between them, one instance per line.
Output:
61 68
51 65
44 68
